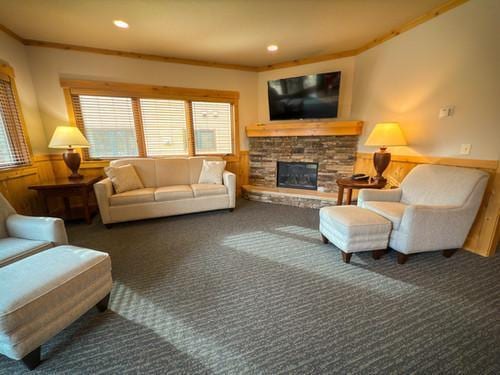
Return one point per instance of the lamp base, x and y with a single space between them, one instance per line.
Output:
381 160
72 160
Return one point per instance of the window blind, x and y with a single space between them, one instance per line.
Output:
212 124
108 123
164 126
14 150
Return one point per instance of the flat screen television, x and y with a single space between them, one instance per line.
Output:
308 97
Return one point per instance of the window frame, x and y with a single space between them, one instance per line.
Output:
72 88
7 74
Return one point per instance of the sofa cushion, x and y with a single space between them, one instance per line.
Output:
13 249
170 193
172 172
145 168
124 178
203 190
392 211
195 165
132 197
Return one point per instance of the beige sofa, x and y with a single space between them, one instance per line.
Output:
170 188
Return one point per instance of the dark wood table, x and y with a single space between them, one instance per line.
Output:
349 184
65 188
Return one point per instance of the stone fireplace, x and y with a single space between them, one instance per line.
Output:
333 156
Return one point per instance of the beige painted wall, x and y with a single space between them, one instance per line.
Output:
48 65
14 54
345 65
450 60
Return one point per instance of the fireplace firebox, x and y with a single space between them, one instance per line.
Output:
297 175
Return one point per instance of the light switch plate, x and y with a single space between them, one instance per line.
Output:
465 149
446 111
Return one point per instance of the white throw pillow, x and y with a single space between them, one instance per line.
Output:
124 178
211 172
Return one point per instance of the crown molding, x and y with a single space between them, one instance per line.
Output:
431 14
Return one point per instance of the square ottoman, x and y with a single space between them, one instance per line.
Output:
44 293
354 229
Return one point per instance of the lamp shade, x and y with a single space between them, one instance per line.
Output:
386 134
68 137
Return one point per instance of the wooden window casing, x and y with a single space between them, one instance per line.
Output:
144 99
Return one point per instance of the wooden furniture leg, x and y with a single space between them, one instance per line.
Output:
346 257
33 359
102 305
449 252
349 197
340 196
402 258
86 208
324 239
67 208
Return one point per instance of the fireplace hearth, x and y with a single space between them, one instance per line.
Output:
297 175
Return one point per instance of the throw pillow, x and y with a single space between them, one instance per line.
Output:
124 178
211 172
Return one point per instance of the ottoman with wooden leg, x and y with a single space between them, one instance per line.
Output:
354 229
44 293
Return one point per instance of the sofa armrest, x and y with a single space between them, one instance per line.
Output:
386 195
229 180
103 191
37 228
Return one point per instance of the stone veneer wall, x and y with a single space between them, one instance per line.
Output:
335 156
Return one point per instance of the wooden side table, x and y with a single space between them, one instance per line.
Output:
349 184
66 188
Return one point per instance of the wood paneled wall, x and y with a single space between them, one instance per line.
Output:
483 237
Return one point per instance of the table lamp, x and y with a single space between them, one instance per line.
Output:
383 135
69 137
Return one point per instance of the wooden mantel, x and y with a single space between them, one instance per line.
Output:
304 129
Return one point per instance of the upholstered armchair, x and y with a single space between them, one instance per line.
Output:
433 209
22 236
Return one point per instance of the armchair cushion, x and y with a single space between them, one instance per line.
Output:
14 249
392 211
389 195
48 229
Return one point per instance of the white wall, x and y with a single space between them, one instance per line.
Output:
49 65
345 65
14 54
450 60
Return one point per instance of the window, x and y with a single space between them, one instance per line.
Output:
119 125
14 149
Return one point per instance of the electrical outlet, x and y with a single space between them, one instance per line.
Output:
446 112
465 149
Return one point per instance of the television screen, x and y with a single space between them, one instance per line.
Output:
309 97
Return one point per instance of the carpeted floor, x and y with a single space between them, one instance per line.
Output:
255 291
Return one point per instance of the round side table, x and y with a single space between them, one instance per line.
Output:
349 184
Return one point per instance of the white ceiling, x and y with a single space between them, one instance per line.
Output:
226 31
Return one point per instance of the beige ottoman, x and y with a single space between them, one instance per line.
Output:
353 229
44 293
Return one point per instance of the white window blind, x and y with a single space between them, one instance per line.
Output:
109 126
212 123
164 125
13 147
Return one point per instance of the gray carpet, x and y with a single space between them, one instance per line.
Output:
255 291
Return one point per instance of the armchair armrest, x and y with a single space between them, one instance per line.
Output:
436 227
388 195
37 228
229 180
103 191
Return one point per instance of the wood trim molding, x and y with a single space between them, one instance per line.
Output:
304 129
84 87
441 160
7 70
435 12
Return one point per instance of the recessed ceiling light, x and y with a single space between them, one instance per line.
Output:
121 24
272 48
